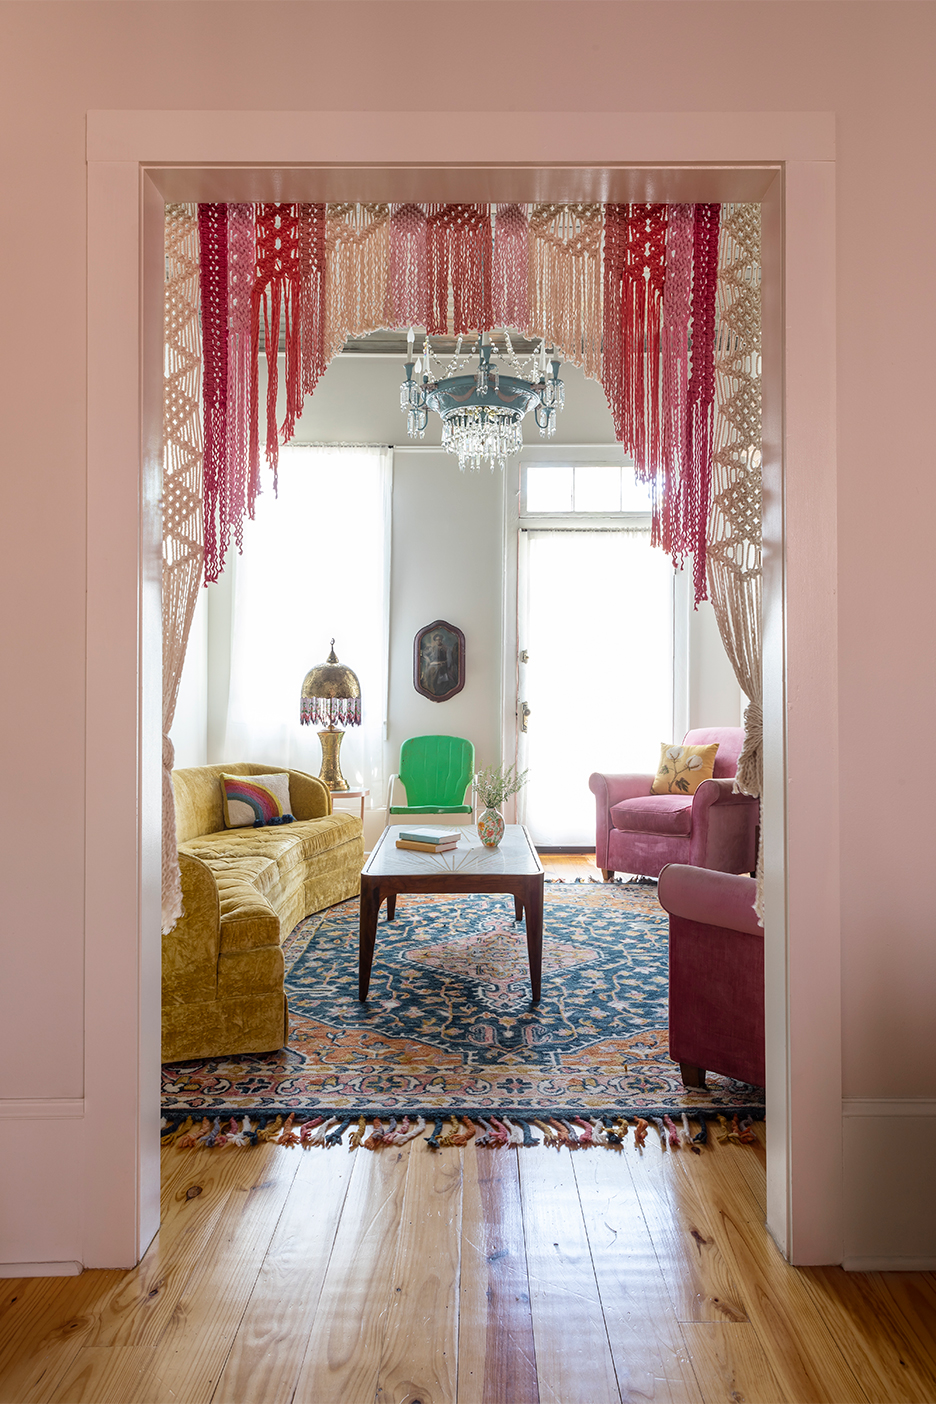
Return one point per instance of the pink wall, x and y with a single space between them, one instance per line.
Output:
870 63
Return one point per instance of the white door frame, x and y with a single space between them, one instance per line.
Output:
135 160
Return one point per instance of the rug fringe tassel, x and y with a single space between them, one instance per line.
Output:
576 1131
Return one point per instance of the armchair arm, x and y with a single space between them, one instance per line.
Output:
609 790
190 949
718 792
309 796
390 794
724 828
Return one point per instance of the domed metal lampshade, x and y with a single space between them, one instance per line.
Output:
331 698
331 695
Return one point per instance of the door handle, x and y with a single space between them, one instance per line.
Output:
524 713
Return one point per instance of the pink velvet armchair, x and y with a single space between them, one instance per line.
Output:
716 974
640 833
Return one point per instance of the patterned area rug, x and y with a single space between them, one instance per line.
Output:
448 1025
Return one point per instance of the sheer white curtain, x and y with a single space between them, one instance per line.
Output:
316 566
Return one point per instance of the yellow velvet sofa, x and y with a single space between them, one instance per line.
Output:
243 891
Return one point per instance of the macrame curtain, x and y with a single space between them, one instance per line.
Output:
661 303
182 502
734 544
626 292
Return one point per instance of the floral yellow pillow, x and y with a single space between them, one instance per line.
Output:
683 768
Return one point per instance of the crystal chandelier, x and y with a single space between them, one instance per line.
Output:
482 410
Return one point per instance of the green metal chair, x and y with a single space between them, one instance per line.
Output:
436 772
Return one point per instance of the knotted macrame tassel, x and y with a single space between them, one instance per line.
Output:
510 291
458 261
408 290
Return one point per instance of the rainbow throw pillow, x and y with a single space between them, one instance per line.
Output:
257 800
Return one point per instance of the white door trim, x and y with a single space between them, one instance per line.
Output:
786 157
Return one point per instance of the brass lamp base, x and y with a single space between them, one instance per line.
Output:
330 773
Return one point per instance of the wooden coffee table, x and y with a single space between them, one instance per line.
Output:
512 867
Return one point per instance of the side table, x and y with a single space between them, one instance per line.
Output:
351 794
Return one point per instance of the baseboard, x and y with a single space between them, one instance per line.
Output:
69 1269
40 1108
890 1212
889 1264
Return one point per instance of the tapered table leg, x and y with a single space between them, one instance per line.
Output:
370 906
518 907
391 905
533 906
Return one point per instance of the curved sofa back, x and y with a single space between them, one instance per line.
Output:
200 808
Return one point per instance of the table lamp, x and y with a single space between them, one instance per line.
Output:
331 694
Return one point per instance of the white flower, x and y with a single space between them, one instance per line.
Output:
673 752
693 763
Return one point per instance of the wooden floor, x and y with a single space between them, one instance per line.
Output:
283 1276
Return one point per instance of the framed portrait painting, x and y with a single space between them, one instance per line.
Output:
439 661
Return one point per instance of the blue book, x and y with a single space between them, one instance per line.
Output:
429 834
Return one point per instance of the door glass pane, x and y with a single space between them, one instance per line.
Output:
635 497
599 680
549 487
598 487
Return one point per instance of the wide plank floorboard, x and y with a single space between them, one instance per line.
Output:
345 1344
420 1346
269 1348
573 1353
649 1352
496 1352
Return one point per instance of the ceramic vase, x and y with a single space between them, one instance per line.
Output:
490 828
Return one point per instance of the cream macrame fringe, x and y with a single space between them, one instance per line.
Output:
734 545
183 550
357 273
565 281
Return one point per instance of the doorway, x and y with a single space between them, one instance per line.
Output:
803 1032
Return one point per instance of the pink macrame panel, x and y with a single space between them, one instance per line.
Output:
408 292
242 488
510 268
458 249
674 370
701 396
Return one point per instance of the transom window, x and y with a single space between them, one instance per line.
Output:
588 488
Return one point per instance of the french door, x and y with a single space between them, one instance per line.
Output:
595 677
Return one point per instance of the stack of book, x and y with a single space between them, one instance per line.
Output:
430 839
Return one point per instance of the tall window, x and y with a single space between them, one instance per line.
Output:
315 566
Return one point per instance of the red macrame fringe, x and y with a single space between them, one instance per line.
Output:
212 236
458 247
290 289
510 268
642 312
701 398
674 374
634 280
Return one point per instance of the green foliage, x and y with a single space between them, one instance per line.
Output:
496 783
